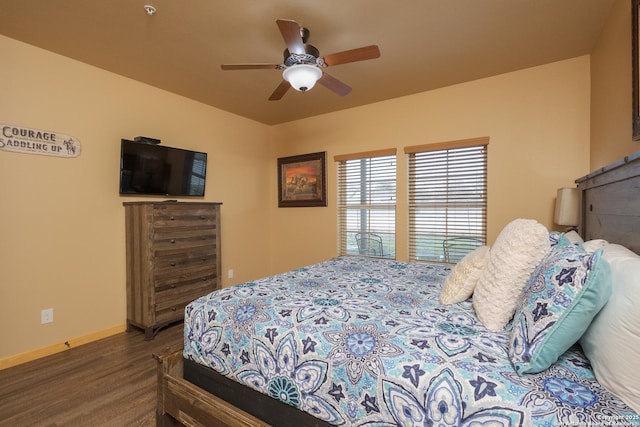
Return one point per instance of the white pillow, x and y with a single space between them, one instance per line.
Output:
612 341
573 236
463 277
594 245
517 251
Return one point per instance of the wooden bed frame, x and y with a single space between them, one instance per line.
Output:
610 210
182 403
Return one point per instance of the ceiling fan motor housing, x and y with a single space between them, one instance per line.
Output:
310 56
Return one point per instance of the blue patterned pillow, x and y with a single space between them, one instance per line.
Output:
564 294
558 239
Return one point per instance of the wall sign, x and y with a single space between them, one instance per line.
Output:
36 141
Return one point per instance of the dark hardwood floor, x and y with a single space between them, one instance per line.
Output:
108 382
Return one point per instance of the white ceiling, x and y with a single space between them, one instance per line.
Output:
424 44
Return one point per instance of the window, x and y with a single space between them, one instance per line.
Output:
447 199
367 204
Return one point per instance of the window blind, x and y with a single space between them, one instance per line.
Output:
447 200
367 204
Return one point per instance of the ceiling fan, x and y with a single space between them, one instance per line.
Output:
303 65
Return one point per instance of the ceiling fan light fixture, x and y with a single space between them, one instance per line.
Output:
302 77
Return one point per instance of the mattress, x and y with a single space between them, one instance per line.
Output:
362 341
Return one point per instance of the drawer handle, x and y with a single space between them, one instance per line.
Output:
173 264
173 309
203 217
173 286
204 258
172 241
172 218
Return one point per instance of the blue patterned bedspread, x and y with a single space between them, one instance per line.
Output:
361 341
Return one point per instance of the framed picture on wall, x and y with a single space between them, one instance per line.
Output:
302 180
635 69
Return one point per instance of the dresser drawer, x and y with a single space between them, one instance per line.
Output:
183 216
175 261
180 278
183 239
170 303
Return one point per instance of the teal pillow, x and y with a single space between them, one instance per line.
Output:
564 294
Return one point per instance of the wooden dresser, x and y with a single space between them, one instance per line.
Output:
173 257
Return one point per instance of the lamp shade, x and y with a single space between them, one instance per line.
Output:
567 207
302 77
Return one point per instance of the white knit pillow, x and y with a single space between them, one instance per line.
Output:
517 251
463 277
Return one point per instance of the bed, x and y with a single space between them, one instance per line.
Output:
358 341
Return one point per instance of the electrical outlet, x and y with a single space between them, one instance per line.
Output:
230 273
46 316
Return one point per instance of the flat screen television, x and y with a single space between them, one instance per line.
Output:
153 169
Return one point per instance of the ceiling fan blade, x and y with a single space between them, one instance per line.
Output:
250 66
290 31
353 55
334 84
282 88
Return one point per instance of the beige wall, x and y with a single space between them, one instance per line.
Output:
611 124
62 219
537 120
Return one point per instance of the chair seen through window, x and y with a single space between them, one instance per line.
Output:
455 248
369 244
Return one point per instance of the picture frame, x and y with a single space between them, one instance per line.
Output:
302 180
635 69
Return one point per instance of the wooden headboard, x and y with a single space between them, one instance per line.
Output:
610 203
